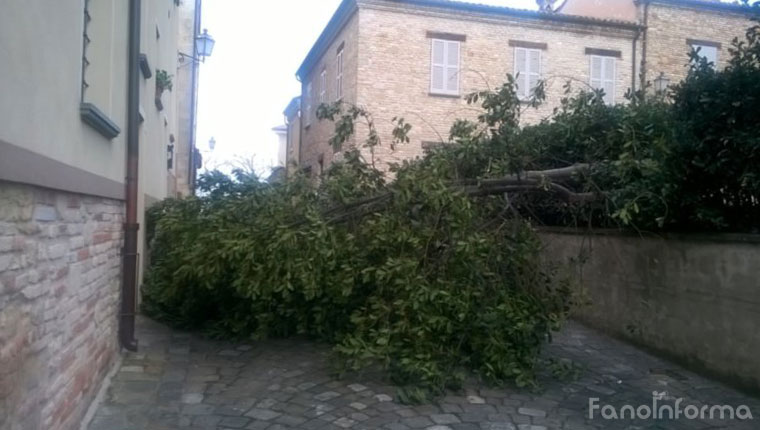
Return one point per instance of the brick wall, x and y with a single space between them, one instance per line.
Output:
394 66
59 290
388 61
316 134
670 27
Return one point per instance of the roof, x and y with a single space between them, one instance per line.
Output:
348 7
293 107
709 4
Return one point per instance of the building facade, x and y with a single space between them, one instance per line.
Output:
418 59
85 139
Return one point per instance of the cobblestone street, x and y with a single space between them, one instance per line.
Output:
178 380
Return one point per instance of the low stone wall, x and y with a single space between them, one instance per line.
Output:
696 299
59 296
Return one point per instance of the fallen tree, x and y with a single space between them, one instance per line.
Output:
437 273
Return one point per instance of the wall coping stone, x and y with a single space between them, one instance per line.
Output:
749 238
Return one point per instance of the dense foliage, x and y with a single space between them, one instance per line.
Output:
437 272
430 287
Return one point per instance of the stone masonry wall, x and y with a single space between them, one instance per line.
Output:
394 66
670 27
316 134
692 298
59 295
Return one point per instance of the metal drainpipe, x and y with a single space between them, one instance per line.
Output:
644 46
131 227
193 173
633 59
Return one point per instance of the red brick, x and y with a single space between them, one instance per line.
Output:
102 238
83 254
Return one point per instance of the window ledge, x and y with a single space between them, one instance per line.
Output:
96 119
444 95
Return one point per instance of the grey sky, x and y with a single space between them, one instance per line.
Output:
250 78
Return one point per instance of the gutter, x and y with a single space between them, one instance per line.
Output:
131 226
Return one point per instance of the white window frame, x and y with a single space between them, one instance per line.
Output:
446 66
591 79
323 86
309 90
523 91
703 47
339 75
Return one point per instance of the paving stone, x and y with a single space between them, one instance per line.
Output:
344 422
357 387
445 418
358 406
191 383
475 400
497 426
197 409
266 403
207 421
192 398
234 422
262 414
531 412
327 395
417 422
290 420
396 426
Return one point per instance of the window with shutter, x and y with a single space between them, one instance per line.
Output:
339 76
602 76
444 67
323 87
308 104
527 70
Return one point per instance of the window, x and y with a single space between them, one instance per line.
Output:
308 104
323 87
706 50
444 67
602 74
339 75
527 70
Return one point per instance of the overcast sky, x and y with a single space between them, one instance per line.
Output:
249 80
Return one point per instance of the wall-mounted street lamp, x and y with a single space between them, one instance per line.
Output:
661 84
204 47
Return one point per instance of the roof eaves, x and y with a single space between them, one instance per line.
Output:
521 13
340 17
292 107
717 6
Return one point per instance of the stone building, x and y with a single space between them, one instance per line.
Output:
86 142
417 59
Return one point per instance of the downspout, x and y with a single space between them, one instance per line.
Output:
131 226
644 46
193 173
633 60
